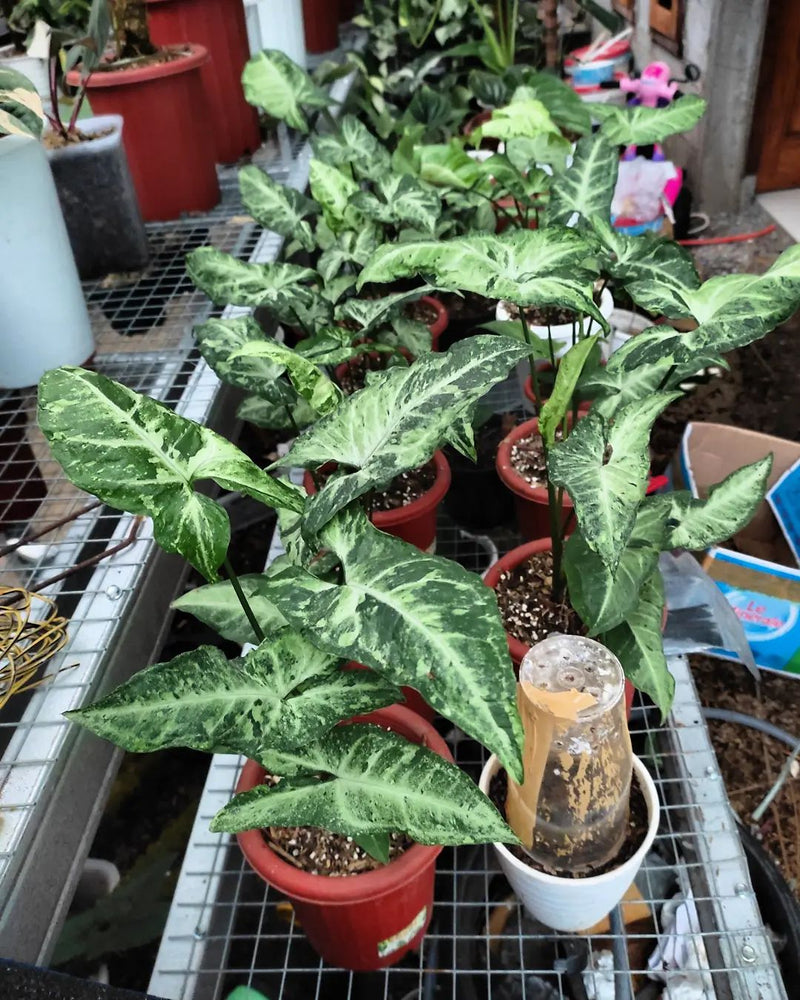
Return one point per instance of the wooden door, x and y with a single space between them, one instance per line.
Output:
775 135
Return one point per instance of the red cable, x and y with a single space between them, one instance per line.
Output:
736 238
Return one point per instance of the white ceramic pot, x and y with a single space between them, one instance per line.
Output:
276 24
43 317
560 332
574 904
35 69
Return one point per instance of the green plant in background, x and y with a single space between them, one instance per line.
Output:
343 591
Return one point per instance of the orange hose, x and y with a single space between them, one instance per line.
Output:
736 238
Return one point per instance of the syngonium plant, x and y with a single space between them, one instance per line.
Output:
607 567
343 591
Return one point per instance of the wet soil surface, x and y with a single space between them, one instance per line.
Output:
354 375
320 852
527 610
422 312
637 830
527 457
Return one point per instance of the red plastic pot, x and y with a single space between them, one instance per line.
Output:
366 921
412 698
416 521
531 502
347 10
220 27
439 325
165 136
321 25
509 562
583 407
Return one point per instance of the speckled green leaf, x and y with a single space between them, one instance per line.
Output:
523 118
527 267
228 281
348 248
280 696
587 186
403 200
638 644
217 606
272 413
565 106
371 313
410 334
417 619
639 125
353 145
276 206
273 82
333 189
21 111
138 455
372 781
399 420
604 469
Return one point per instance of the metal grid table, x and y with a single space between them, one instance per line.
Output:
227 928
102 568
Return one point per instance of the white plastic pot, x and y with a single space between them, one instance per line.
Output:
574 904
624 325
560 332
43 317
276 24
35 69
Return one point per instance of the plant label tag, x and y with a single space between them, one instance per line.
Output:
397 941
784 499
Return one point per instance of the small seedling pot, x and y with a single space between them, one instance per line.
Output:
531 502
366 921
574 904
416 521
111 237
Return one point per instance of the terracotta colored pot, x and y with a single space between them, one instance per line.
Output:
506 564
439 325
583 407
366 921
166 137
416 521
413 699
321 25
220 27
533 512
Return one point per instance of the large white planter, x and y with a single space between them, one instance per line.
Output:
574 904
43 317
559 332
276 24
624 325
35 69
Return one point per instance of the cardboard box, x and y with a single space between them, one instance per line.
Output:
758 574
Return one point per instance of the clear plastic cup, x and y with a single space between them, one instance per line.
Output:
571 812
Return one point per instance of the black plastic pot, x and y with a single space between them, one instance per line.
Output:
477 498
98 201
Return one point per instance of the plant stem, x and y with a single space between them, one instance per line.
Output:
526 333
292 421
551 348
248 611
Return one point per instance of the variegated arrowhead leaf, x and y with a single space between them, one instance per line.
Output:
639 125
410 334
657 273
239 345
604 469
277 207
417 619
587 186
403 200
135 454
638 645
565 107
526 267
217 606
281 696
371 313
275 413
372 781
21 111
398 421
355 146
228 281
219 339
348 247
524 118
698 524
273 82
333 189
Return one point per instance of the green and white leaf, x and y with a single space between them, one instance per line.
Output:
520 119
417 619
271 413
587 186
217 606
372 313
398 421
348 248
406 333
403 200
21 111
564 106
526 267
273 82
277 207
333 189
639 125
638 645
372 781
447 165
355 146
281 696
604 469
137 455
228 281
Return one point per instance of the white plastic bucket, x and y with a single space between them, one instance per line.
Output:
276 24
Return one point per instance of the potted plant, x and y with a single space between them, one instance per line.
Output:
222 31
38 330
280 704
159 94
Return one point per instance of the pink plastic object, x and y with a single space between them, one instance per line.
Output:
653 85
